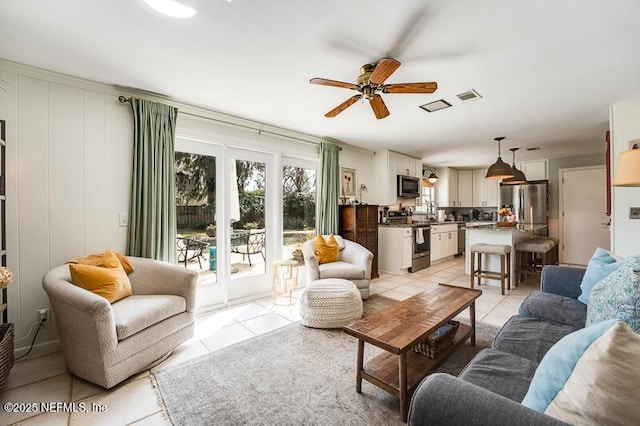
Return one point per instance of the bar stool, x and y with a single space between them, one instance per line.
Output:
505 263
532 255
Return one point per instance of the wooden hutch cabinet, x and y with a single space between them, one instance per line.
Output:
359 223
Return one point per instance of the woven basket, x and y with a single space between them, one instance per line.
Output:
6 351
506 224
438 340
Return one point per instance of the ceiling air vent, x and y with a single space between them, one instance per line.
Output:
533 148
435 105
469 96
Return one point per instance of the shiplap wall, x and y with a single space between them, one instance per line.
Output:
625 126
69 151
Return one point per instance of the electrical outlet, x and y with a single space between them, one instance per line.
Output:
44 314
634 213
123 219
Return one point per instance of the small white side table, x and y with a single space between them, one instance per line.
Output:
285 282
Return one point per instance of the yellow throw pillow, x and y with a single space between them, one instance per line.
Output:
327 251
96 260
109 280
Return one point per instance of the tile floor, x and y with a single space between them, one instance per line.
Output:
136 401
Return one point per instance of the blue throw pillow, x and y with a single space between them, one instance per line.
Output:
590 376
601 264
618 296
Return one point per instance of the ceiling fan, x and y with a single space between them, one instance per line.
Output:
370 84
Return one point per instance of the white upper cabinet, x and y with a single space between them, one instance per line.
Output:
407 166
535 170
465 188
485 191
387 165
447 187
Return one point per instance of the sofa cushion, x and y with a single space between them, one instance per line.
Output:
618 296
500 372
135 313
601 264
340 269
590 377
530 338
554 308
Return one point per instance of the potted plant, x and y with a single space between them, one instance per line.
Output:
211 230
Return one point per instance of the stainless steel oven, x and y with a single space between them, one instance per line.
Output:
421 256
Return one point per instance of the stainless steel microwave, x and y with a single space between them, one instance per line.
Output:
408 186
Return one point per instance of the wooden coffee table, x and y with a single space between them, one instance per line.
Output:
398 328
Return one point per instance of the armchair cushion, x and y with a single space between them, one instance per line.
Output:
339 269
97 260
136 313
109 281
326 251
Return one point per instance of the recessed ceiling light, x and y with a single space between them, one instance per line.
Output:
171 8
435 105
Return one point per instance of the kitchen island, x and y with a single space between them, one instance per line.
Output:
493 234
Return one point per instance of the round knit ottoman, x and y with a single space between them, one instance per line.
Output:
330 303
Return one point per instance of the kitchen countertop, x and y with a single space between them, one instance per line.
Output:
517 228
470 223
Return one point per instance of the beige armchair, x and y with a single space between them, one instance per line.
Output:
354 264
106 343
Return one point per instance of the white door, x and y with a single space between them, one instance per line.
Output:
583 223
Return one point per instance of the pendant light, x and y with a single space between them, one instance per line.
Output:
518 175
429 180
499 169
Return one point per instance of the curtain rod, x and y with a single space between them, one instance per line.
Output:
125 100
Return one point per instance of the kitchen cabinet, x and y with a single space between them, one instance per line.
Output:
485 191
444 241
387 166
535 170
359 223
465 188
447 187
406 165
395 240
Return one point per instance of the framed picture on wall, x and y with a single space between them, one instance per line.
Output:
348 180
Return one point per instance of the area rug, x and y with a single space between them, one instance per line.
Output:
292 376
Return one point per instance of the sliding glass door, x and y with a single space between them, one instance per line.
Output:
250 188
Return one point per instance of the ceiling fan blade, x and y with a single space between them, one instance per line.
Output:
384 68
334 83
346 104
379 107
410 88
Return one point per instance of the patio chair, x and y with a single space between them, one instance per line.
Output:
249 243
190 248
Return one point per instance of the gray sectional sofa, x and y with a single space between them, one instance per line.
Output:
490 388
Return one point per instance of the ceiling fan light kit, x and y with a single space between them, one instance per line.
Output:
499 169
518 175
370 84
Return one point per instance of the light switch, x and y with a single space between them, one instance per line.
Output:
124 219
634 213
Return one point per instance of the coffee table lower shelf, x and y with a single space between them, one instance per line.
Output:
383 370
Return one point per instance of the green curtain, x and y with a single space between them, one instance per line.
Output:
329 188
152 211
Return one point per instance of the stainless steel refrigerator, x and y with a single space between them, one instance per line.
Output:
529 202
